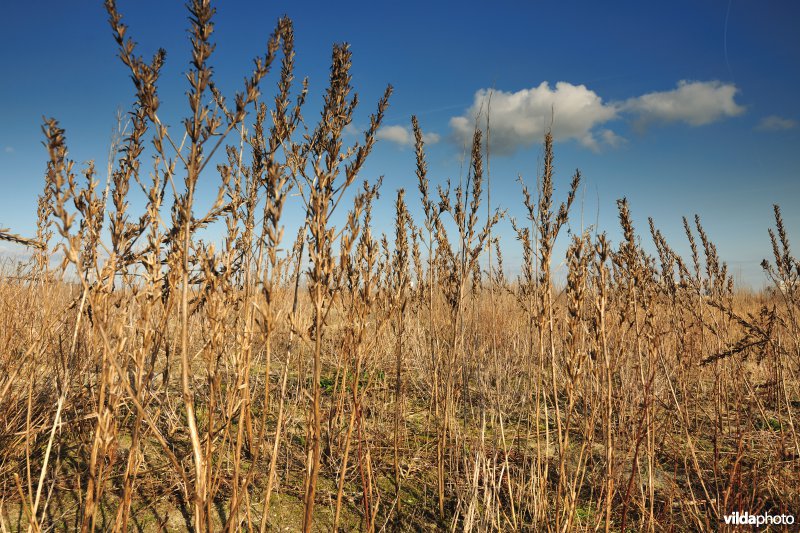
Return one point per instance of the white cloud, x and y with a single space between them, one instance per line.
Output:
431 138
396 134
696 103
520 119
776 123
9 149
402 136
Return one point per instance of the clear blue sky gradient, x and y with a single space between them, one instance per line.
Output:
59 59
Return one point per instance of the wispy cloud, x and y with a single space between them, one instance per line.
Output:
402 136
776 123
352 130
575 112
9 149
15 252
612 139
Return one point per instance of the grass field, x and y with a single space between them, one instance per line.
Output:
345 380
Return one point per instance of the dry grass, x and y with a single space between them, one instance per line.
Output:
356 381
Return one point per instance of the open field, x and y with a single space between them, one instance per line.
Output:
339 379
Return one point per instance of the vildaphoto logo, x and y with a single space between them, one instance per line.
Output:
747 519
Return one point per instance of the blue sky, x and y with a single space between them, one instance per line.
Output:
684 107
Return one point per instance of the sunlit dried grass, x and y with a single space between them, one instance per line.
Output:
350 380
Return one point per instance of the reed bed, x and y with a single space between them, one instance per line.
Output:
339 379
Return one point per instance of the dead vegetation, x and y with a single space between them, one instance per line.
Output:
353 381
